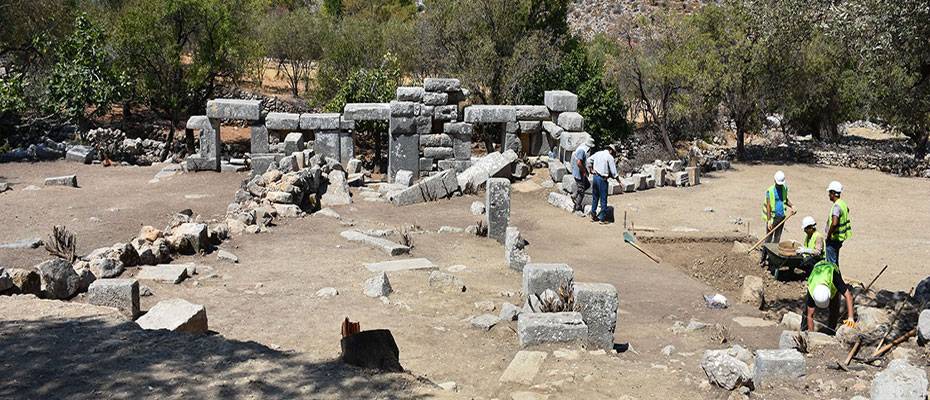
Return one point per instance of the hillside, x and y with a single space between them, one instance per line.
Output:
589 17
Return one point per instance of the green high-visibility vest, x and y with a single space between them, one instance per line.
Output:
812 242
844 229
822 274
770 201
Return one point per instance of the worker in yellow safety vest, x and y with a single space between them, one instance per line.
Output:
773 207
839 227
825 285
812 247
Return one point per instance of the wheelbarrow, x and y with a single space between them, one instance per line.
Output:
781 262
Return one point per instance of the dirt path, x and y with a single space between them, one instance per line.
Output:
269 297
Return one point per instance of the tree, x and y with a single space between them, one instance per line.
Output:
655 71
891 38
180 49
83 77
293 39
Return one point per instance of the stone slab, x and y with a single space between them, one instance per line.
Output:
367 111
412 264
67 180
165 273
175 315
442 85
489 166
539 328
773 365
483 114
249 110
277 121
438 186
532 113
524 367
384 245
320 121
560 100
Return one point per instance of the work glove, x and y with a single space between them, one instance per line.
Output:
849 323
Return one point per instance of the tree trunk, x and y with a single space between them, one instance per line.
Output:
663 131
740 142
169 142
920 151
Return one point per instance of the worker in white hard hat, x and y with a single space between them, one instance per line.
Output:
838 225
825 285
812 247
773 207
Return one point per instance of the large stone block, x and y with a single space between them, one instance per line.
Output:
68 180
515 255
557 171
122 294
435 98
189 238
175 315
598 304
405 109
81 154
497 204
409 93
249 110
367 112
259 139
540 328
553 129
773 365
560 100
446 113
900 381
436 187
424 124
494 164
402 126
404 153
490 114
571 140
293 142
533 113
539 144
277 121
538 277
327 144
571 121
562 201
437 140
442 85
346 146
320 122
530 127
438 153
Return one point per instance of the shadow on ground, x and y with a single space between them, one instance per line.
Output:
90 357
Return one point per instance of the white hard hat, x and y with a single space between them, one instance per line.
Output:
779 178
835 186
808 221
821 296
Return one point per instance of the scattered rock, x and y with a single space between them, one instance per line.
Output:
23 244
327 292
753 291
446 282
668 350
450 229
378 286
724 369
477 208
176 315
448 386
328 212
484 321
6 282
486 306
224 255
791 320
145 291
189 238
59 279
716 301
900 381
164 273
869 319
509 312
106 267
25 281
923 327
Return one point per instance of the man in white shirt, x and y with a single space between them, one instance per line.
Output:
602 167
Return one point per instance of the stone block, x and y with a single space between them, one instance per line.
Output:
258 142
726 368
435 98
327 144
278 121
694 176
438 186
442 85
346 124
378 286
557 170
175 315
774 365
445 282
404 177
490 114
382 244
249 110
320 122
523 368
59 280
530 127
409 93
446 113
337 190
659 175
538 277
261 162
598 304
165 273
562 201
679 179
346 146
676 166
293 142
515 255
437 140
790 340
553 129
560 100
459 130
569 141
491 165
639 182
198 122
121 294
412 264
68 180
438 153
533 113
403 109
899 381
423 124
189 238
571 121
540 328
426 164
753 291
402 126
539 144
366 112
497 204
81 154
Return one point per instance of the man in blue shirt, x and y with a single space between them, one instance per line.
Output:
580 173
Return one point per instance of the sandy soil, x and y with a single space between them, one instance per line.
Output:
269 296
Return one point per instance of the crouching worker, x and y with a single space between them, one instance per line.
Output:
812 250
825 285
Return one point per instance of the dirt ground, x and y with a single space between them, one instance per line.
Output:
266 304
